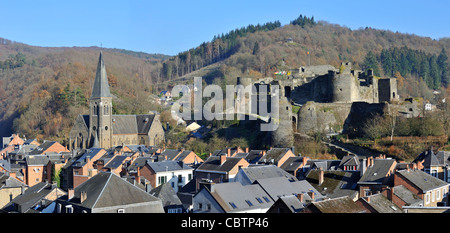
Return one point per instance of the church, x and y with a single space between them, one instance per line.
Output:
104 130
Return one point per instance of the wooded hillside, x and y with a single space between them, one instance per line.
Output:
42 89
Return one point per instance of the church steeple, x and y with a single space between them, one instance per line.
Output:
101 86
100 114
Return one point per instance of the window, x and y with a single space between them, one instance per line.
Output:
175 210
438 194
208 207
427 198
266 199
249 203
432 196
180 178
259 200
121 211
69 209
232 205
200 206
162 180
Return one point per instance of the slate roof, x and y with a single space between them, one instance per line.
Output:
335 183
167 194
7 181
43 147
81 160
443 157
107 190
101 86
349 160
183 155
128 124
32 196
170 153
381 204
116 162
168 165
35 160
422 180
407 196
275 153
267 171
213 164
292 164
280 186
234 196
338 205
377 173
253 156
324 164
138 162
292 202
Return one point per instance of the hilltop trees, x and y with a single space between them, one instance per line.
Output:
221 47
429 67
303 21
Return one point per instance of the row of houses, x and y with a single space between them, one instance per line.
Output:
47 178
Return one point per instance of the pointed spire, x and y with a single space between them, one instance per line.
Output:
96 143
101 86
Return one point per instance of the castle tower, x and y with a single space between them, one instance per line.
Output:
100 109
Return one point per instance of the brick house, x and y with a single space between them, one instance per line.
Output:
48 147
218 169
107 193
335 205
401 196
431 190
276 156
375 174
35 169
378 203
176 173
186 156
83 166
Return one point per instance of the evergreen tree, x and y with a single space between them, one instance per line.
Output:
370 62
443 65
256 48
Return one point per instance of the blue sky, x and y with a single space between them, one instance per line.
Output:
170 27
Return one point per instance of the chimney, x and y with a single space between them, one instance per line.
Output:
320 176
391 194
419 165
83 196
363 167
301 197
311 194
369 162
229 152
223 158
304 160
246 150
368 199
138 175
70 194
264 152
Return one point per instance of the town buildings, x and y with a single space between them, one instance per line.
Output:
48 178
